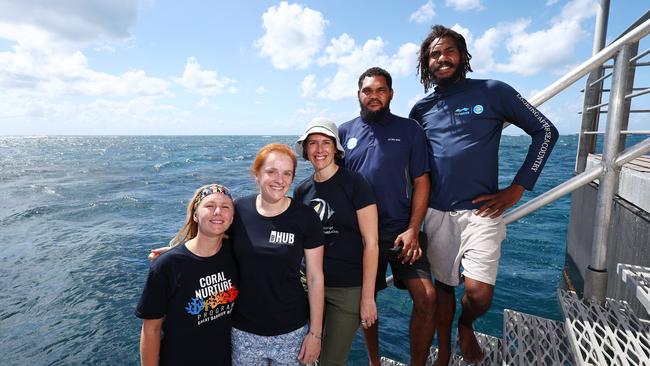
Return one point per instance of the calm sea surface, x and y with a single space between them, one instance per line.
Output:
78 216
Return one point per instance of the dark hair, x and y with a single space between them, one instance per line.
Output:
338 155
439 31
376 71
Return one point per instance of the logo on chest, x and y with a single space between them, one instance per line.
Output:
352 143
477 109
279 237
462 111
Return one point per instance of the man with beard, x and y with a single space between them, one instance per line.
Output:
463 119
391 153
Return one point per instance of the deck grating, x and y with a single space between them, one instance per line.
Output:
535 341
604 335
491 346
638 277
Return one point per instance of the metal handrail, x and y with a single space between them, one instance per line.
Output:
564 82
591 64
629 96
553 194
638 93
640 55
623 132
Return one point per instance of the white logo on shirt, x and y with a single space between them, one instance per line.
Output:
278 237
352 143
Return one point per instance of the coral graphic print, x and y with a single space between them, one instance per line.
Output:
213 299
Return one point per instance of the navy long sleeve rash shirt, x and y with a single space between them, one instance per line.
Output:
463 124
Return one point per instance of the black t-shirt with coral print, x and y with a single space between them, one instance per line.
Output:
196 296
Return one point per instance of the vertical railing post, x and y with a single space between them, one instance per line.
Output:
627 103
587 143
596 274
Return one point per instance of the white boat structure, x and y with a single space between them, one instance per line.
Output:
607 300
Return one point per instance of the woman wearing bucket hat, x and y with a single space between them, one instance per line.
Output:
346 206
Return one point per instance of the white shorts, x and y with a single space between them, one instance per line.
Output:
463 239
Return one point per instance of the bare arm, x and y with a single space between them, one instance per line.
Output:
419 203
311 344
150 341
367 218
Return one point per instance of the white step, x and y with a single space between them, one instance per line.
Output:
535 341
638 277
604 335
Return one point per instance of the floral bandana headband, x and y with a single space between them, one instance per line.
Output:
211 189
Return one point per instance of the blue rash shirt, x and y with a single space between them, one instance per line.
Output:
390 154
463 124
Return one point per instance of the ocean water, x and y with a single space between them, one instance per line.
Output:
78 216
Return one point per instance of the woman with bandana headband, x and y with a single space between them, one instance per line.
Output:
190 291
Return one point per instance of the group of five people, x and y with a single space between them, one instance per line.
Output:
420 193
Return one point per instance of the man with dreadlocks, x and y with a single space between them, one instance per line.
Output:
463 119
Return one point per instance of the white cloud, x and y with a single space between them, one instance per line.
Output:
411 102
100 116
403 62
424 14
308 85
551 2
465 32
46 57
293 35
352 60
53 72
260 90
528 53
557 42
73 21
483 47
203 82
463 5
337 48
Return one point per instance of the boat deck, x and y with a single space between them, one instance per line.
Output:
634 183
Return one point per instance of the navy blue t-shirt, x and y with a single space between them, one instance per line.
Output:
196 296
336 202
463 124
390 154
269 251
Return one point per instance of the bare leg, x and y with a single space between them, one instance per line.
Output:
422 324
476 302
445 310
371 338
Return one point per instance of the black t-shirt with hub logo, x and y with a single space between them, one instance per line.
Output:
269 251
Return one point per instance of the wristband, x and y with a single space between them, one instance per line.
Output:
319 337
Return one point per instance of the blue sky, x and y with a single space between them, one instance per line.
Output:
150 67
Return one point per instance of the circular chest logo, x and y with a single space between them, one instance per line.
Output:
352 143
478 109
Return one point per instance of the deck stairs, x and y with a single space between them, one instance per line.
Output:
591 334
